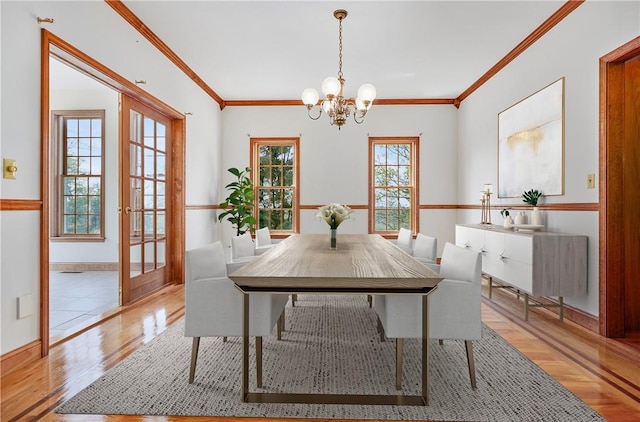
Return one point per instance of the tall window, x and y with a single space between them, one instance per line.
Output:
393 175
275 177
78 162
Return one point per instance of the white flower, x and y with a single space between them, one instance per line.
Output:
334 214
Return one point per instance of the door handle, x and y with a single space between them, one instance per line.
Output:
127 210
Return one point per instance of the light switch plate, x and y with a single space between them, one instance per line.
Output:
7 165
591 181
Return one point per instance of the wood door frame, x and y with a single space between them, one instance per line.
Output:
611 239
51 45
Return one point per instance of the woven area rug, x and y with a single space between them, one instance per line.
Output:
330 346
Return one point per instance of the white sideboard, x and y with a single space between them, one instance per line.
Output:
534 263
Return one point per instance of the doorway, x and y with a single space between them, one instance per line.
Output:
152 253
83 244
619 197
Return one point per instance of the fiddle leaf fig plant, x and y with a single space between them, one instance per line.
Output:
531 197
239 204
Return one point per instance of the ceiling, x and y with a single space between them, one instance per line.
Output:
260 50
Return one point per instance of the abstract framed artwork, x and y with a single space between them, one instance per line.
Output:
531 144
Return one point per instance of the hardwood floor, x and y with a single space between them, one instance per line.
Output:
604 373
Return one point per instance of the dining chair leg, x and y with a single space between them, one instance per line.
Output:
224 339
259 361
472 366
370 300
294 297
194 357
380 330
279 325
283 320
399 347
440 342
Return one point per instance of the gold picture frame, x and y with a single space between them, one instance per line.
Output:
531 144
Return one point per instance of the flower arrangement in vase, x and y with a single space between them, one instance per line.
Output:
334 214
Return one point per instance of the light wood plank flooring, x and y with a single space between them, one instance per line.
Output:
605 373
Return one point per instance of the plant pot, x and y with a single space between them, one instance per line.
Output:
536 217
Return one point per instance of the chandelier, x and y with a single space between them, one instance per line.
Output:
335 105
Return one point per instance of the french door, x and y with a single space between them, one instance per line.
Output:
144 189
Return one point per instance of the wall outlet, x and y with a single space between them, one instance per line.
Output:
591 181
25 306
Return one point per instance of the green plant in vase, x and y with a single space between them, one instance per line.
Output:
531 197
508 221
239 204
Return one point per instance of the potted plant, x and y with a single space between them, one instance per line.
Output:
239 204
508 221
531 197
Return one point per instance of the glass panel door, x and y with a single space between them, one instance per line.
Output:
143 200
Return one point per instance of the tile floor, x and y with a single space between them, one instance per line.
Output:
77 300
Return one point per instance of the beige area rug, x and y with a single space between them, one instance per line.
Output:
330 346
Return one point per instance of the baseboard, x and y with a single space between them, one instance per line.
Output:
20 357
83 266
575 315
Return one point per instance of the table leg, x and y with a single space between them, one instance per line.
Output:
490 286
561 312
425 349
245 347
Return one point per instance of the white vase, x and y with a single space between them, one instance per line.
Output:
521 218
508 222
536 217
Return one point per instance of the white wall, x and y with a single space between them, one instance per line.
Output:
99 98
94 28
334 163
571 50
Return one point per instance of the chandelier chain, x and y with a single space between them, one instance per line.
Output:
340 51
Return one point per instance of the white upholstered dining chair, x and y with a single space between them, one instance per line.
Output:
242 248
213 305
425 249
454 308
405 240
264 241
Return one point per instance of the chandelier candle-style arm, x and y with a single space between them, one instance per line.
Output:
335 105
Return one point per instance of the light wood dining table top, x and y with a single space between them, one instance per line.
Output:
365 263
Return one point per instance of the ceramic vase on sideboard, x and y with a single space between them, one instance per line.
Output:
521 218
536 217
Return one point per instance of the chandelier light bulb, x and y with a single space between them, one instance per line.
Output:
326 106
331 86
367 92
310 97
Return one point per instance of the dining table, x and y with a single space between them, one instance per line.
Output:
363 264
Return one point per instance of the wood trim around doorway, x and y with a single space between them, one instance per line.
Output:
53 45
611 241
